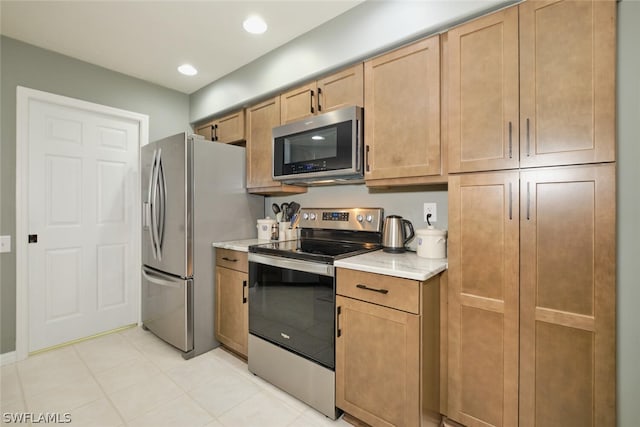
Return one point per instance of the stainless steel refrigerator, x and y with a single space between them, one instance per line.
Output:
193 194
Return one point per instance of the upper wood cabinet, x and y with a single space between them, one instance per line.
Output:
335 91
560 57
402 114
567 82
261 119
227 129
483 93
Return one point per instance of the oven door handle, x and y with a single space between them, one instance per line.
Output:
293 264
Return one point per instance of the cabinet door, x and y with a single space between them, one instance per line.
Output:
261 119
206 130
483 299
230 128
483 93
341 89
402 112
232 314
377 363
567 314
298 103
567 82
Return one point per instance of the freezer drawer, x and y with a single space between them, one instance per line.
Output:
167 304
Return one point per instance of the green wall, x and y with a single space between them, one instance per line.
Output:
26 65
628 219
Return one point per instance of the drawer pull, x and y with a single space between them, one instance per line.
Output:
229 259
338 330
365 287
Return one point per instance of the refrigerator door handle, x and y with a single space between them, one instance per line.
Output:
154 207
160 280
162 183
148 206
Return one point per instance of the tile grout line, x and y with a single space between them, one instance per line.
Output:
106 395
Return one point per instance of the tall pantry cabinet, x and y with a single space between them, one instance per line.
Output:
532 216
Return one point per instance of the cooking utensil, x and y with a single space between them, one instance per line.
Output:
275 208
295 221
396 232
294 208
284 209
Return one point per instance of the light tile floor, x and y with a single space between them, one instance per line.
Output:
132 378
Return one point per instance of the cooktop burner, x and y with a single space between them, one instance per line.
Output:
330 234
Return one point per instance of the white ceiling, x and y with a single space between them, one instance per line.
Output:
150 39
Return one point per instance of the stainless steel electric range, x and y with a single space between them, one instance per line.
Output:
292 301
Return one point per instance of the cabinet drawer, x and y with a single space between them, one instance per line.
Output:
234 260
393 292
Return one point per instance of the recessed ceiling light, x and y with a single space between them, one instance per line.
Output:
254 25
187 70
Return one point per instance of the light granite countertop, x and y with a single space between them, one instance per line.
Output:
239 245
407 265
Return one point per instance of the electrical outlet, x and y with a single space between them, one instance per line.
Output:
5 244
430 208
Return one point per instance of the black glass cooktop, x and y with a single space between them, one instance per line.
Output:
317 250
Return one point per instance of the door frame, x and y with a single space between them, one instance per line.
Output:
23 98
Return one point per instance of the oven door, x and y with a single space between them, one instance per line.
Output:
292 305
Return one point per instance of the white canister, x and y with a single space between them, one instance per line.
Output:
282 230
264 228
432 243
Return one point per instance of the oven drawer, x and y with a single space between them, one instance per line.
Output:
235 260
393 292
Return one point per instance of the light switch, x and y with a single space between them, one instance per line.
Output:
5 244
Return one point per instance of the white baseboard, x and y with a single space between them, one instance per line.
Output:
6 358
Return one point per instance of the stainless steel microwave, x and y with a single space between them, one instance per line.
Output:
322 149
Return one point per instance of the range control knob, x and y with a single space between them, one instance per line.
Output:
305 216
369 218
360 218
312 216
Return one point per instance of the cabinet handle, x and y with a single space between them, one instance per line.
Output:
528 139
213 132
244 285
312 110
338 330
528 202
510 202
319 104
510 140
229 259
365 287
366 155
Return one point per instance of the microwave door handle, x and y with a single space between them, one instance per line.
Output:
358 148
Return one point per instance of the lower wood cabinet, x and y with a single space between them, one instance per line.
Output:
532 297
387 351
232 308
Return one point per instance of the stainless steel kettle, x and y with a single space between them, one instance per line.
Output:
396 232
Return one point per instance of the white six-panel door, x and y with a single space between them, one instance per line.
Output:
82 205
